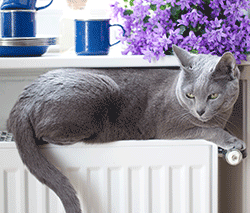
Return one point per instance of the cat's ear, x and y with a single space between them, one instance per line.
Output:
226 67
185 58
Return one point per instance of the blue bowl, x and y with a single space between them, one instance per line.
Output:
25 47
19 51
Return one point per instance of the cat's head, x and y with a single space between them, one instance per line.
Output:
207 84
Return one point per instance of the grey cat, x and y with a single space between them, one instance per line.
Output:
71 105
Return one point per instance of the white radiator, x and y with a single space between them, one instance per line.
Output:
156 176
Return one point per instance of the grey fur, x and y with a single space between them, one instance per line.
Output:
71 105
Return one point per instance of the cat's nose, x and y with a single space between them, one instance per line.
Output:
200 112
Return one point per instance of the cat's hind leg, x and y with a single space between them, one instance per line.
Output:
81 110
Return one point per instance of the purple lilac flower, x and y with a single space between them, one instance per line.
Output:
211 26
183 3
216 23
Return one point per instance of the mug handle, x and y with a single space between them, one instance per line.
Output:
122 35
43 7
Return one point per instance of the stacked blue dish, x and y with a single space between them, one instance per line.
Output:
18 29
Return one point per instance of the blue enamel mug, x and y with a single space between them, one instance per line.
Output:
22 4
18 23
92 37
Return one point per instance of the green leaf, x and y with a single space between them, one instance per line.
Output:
145 20
128 12
163 7
131 3
169 5
194 51
153 7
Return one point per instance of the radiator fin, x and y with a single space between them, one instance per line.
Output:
177 189
136 189
116 190
198 189
157 190
95 182
12 190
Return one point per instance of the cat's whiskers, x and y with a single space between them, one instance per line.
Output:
221 122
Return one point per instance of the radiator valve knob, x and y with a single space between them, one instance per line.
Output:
233 157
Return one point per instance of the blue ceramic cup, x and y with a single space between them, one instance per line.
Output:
92 37
18 23
22 4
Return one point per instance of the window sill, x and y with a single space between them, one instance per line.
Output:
56 60
52 60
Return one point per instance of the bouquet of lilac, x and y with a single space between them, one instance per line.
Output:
199 26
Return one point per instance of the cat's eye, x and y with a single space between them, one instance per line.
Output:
190 95
213 96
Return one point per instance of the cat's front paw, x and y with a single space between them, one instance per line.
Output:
235 143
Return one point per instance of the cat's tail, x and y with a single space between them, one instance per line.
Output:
20 125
